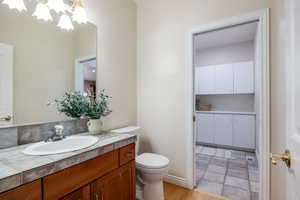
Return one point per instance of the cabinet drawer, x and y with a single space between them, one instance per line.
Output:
29 191
127 154
68 180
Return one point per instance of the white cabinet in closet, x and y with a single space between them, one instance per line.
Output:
205 78
236 130
224 79
244 131
223 129
243 77
205 128
237 78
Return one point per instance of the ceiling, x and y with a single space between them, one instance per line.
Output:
227 36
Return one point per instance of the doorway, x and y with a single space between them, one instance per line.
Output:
229 99
85 75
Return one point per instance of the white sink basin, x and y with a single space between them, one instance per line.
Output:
71 143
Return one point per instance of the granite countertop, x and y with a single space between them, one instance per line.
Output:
225 112
17 168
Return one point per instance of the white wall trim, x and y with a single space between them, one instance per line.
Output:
263 16
176 180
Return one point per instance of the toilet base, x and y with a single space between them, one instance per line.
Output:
154 190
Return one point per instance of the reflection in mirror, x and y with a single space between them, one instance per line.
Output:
39 62
85 75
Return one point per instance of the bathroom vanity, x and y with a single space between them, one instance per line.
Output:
105 171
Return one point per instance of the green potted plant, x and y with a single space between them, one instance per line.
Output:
85 106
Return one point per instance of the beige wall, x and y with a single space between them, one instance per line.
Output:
162 26
116 46
85 38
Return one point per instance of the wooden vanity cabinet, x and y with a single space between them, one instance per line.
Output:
117 185
81 194
29 191
107 177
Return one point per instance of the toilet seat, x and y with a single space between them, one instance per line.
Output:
151 161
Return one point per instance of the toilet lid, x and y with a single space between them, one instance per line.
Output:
151 160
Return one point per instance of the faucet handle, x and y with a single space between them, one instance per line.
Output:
59 130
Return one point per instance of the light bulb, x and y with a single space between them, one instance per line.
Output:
65 23
79 15
42 12
15 4
57 5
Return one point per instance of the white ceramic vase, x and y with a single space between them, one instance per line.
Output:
95 126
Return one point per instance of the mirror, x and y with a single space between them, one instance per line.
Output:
39 62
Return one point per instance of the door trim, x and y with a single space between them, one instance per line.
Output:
262 16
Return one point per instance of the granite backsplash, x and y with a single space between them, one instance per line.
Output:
24 134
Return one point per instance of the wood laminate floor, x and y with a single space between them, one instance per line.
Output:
173 192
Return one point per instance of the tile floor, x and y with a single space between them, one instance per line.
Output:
227 173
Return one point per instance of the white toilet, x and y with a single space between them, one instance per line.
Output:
151 169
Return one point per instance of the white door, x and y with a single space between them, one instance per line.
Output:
206 80
224 79
244 131
223 129
205 128
6 83
243 77
293 100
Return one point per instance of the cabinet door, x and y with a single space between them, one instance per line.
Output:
29 191
223 129
118 185
243 78
55 186
205 128
81 194
224 79
206 80
244 131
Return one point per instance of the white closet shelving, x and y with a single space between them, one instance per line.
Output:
235 78
227 127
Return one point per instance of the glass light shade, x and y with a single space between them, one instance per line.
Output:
15 4
42 12
65 23
56 5
79 15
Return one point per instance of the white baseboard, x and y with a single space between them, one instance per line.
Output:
177 181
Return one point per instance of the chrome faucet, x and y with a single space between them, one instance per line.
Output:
58 134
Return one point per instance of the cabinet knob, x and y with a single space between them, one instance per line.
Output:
97 196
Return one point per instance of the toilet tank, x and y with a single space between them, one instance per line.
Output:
130 130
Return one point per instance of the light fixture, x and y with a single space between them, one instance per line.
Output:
79 14
15 4
57 5
42 12
43 7
65 22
